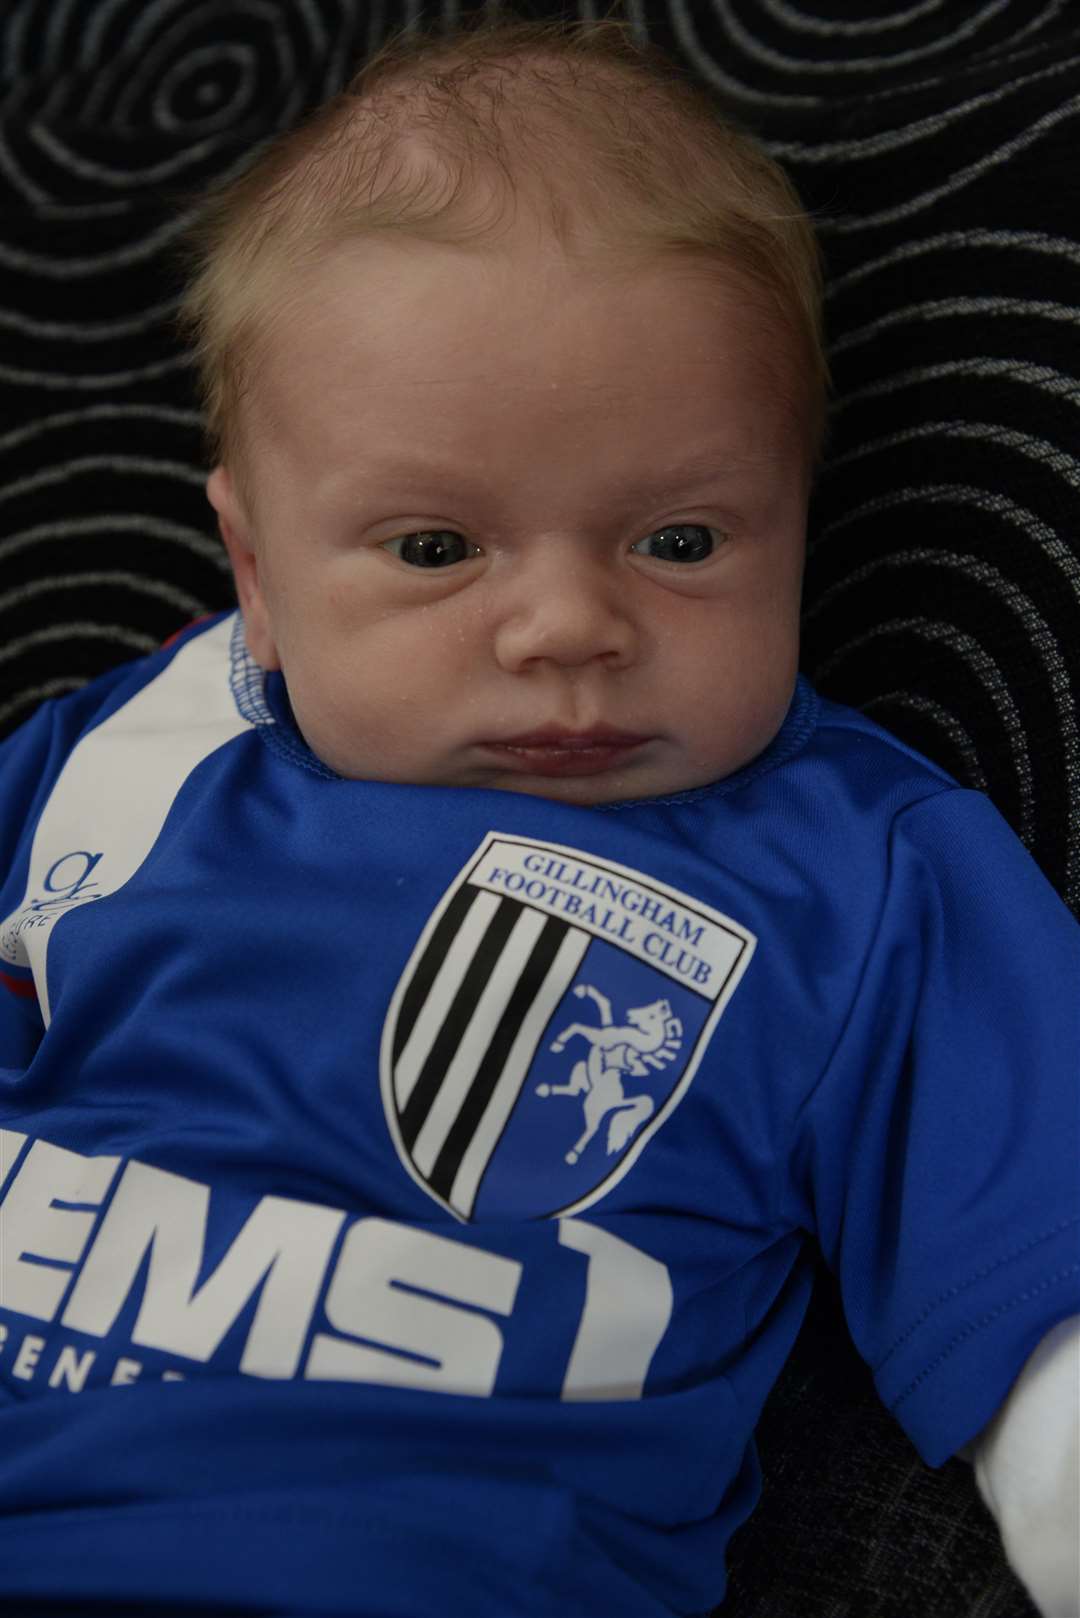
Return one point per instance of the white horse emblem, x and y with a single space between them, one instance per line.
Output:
650 1038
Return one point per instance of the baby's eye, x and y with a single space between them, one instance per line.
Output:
682 542
431 548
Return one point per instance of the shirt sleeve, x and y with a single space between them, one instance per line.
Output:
938 1157
31 758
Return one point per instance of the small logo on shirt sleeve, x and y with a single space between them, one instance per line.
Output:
68 882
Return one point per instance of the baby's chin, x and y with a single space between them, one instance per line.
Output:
659 768
584 790
607 788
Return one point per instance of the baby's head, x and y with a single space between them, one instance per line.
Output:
513 368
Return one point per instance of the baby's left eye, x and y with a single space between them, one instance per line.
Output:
682 542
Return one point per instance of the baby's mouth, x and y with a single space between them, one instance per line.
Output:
554 750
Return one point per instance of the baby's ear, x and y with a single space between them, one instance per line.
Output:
237 533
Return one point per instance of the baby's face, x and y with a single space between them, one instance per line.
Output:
516 528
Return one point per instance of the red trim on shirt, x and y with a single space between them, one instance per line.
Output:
20 986
184 629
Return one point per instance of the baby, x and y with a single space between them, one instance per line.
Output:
444 995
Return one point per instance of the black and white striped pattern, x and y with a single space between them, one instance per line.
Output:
475 1006
936 144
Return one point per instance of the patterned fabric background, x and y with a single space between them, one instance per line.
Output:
936 144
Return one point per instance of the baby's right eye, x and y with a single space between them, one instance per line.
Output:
431 548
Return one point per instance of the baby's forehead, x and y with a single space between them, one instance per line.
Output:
369 281
382 330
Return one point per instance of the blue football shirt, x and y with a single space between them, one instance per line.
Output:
404 1190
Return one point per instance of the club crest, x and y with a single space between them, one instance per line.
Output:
550 1019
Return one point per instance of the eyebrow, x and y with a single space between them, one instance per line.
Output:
699 470
691 473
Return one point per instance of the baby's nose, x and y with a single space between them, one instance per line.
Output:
567 611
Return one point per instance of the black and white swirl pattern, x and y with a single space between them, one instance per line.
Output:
191 68
113 116
787 58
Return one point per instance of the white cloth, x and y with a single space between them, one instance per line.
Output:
1027 1466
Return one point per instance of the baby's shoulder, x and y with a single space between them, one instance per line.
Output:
857 748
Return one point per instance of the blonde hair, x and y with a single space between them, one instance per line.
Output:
624 157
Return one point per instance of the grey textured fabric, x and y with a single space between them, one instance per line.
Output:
936 146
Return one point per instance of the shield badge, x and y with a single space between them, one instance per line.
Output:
550 1019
